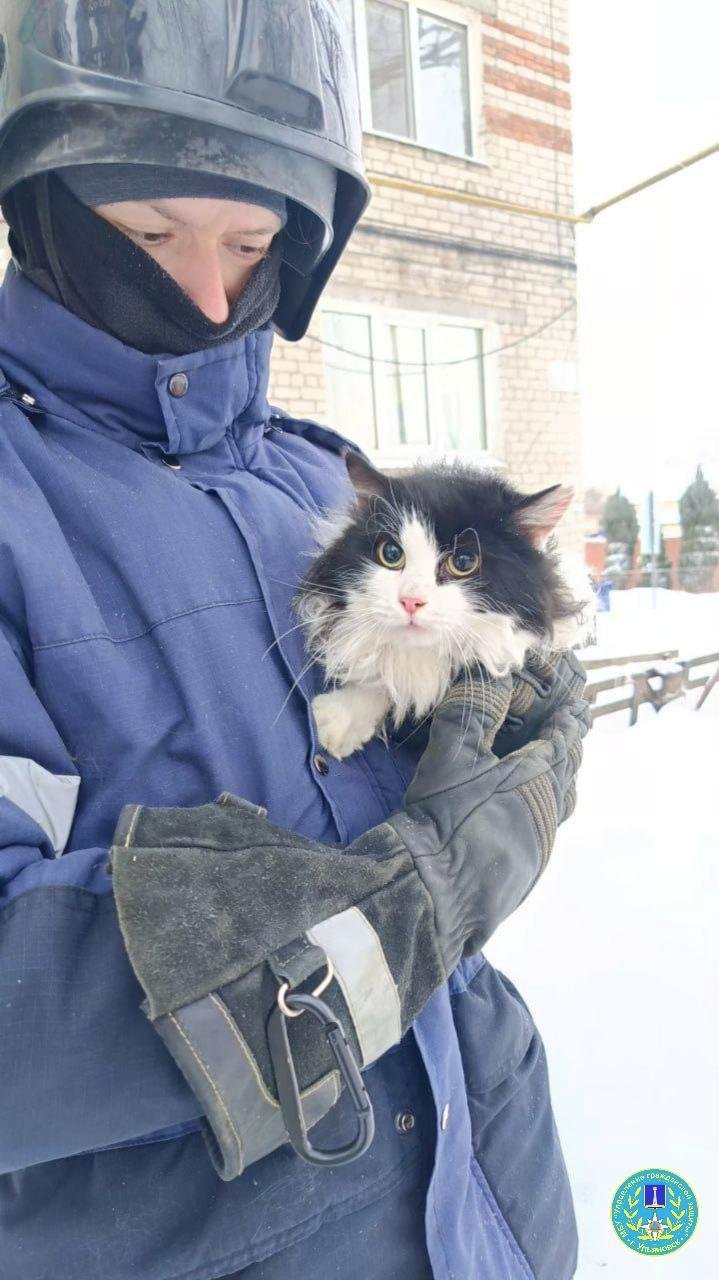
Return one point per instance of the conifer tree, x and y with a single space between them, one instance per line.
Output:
699 517
620 527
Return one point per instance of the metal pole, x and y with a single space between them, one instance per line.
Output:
653 560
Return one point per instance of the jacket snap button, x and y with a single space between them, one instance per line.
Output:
321 765
404 1122
178 385
444 1118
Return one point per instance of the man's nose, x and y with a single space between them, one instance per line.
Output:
411 603
202 282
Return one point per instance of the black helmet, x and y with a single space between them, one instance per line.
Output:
261 90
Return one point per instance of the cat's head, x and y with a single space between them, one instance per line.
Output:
444 558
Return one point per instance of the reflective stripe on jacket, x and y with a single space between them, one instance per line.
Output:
152 530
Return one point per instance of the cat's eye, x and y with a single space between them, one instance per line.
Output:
462 564
389 554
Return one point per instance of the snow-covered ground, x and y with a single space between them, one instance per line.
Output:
617 955
640 621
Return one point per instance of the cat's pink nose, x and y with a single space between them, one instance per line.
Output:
411 604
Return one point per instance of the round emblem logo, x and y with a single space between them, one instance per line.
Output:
654 1211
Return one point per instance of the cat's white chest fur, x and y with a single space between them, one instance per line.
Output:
404 681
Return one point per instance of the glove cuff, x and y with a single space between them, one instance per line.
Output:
189 886
243 1120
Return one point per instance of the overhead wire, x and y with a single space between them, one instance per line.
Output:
420 365
417 367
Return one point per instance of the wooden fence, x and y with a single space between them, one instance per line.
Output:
636 679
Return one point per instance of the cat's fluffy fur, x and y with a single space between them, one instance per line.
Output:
386 663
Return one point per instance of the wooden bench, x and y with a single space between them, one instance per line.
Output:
657 688
710 684
667 685
617 680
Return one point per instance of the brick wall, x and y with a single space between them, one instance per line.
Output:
419 252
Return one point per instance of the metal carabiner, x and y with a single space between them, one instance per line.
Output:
288 1089
286 988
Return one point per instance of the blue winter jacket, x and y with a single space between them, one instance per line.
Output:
149 547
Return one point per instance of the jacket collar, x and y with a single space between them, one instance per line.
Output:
87 375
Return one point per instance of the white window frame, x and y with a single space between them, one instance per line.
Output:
446 12
400 456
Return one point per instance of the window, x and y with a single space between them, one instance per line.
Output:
351 395
414 73
404 385
346 8
443 85
390 74
405 392
460 385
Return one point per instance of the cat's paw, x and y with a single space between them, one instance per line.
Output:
348 717
340 729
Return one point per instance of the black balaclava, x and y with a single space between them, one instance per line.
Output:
99 274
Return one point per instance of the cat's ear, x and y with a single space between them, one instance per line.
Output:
538 514
366 480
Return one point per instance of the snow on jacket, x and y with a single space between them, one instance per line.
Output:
154 519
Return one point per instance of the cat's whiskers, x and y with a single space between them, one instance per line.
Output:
472 667
459 657
324 589
460 662
293 686
486 598
497 641
345 641
466 712
288 632
417 727
316 586
391 509
517 592
484 711
344 659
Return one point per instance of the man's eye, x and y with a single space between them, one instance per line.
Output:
389 554
150 237
247 251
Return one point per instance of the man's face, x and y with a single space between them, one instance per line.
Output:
209 247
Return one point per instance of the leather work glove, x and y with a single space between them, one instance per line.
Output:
230 921
470 830
546 682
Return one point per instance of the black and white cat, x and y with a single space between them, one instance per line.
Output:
425 575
